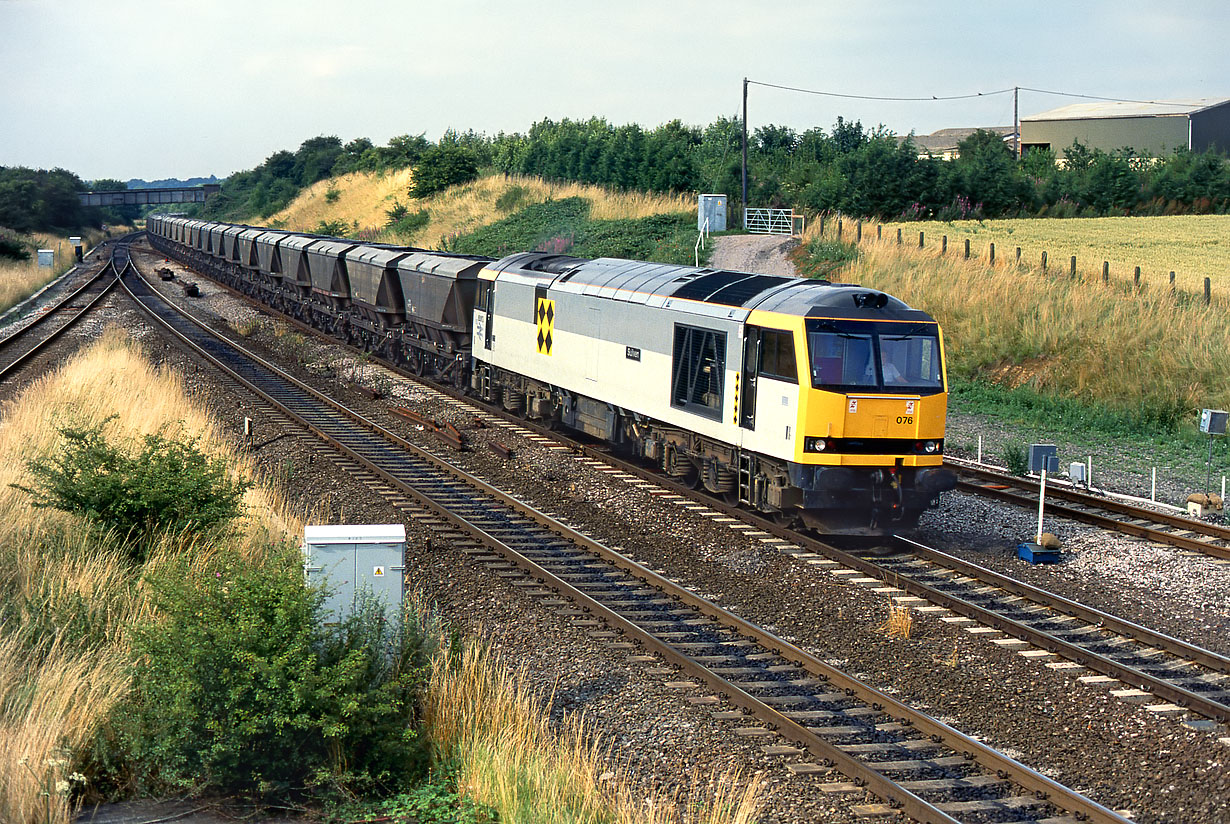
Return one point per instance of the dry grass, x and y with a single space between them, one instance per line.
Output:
1129 349
366 196
900 621
484 715
20 279
1192 246
70 602
361 196
112 378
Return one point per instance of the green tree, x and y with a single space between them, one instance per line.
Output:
441 167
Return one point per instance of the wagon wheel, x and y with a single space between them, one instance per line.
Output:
416 363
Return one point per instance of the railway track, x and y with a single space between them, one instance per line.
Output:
19 347
1140 521
1146 662
772 689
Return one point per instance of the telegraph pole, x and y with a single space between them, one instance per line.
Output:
745 153
1016 121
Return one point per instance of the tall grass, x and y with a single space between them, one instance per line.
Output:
362 198
1146 353
21 278
67 602
365 197
484 715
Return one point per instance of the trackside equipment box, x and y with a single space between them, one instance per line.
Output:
351 558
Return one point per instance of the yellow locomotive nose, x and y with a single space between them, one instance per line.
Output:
882 417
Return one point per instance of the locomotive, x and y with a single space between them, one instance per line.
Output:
819 403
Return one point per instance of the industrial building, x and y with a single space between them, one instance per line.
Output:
944 144
1147 128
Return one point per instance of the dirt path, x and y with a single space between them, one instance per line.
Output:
762 254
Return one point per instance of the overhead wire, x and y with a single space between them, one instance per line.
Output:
969 96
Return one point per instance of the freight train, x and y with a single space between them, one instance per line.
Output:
820 403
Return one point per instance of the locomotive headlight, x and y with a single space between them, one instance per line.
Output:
817 445
927 447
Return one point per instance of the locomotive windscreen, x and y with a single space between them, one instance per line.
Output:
893 357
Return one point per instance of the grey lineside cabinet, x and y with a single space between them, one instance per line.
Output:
348 559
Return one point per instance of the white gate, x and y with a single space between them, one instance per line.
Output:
769 221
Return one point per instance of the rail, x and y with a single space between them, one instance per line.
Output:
1181 532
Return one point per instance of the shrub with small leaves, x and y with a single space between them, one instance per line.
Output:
1016 458
242 688
136 491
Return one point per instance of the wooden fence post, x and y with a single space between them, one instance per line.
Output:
879 232
992 254
1208 291
1136 278
967 248
839 230
898 234
1044 261
858 232
1073 272
1172 281
1018 256
944 245
822 225
920 240
1106 271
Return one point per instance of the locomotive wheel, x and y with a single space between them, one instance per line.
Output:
680 468
718 479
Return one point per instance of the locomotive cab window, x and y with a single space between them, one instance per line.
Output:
777 356
697 372
849 355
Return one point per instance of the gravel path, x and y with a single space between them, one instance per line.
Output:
1119 754
762 254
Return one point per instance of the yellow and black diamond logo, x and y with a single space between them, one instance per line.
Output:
545 315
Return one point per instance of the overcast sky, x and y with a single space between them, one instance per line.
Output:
179 88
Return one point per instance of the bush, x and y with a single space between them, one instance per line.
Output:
436 801
824 257
441 167
241 688
164 485
332 228
411 222
1016 458
511 198
12 247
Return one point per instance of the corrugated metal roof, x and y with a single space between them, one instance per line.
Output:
1103 109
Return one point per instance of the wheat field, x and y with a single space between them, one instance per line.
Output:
1192 246
365 197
